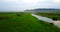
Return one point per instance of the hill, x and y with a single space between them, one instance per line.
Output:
43 10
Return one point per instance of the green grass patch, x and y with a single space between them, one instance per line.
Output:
24 23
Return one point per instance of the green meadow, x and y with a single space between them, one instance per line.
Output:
24 22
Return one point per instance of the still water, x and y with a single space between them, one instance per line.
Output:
43 18
57 23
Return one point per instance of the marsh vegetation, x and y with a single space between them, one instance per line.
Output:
54 16
24 22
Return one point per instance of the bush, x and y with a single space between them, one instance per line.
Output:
55 18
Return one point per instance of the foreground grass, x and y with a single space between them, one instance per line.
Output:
54 16
24 22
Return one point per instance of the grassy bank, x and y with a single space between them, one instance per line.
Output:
54 16
24 22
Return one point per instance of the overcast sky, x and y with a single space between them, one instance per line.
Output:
20 5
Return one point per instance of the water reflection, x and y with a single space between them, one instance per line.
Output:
57 23
43 18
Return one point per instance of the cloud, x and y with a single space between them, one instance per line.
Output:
34 1
9 0
27 4
56 0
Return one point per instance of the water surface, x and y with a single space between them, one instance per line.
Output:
43 18
56 23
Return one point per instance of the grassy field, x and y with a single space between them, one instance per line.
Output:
24 22
54 16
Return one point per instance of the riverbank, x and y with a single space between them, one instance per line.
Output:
45 19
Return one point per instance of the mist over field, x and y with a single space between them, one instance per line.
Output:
21 5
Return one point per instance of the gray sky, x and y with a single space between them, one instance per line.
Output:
20 5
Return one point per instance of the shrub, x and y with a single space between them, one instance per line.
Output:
18 15
54 18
